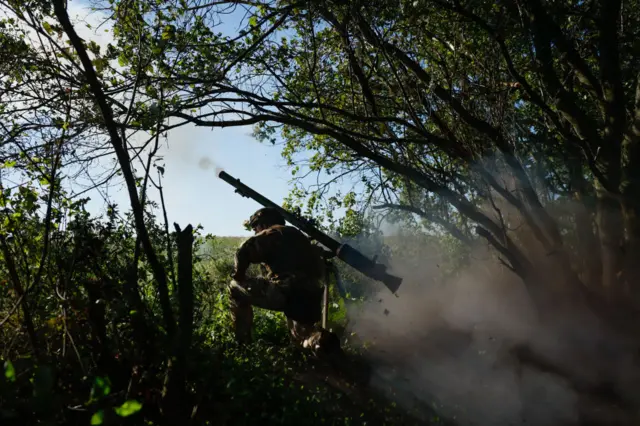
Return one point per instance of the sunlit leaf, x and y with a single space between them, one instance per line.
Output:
123 60
9 371
128 408
97 418
101 387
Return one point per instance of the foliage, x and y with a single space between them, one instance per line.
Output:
468 116
93 368
512 122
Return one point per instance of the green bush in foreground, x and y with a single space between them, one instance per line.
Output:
94 367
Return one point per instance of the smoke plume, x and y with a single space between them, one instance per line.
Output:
206 163
474 348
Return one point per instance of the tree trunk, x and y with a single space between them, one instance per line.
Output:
588 249
630 188
119 146
631 288
611 233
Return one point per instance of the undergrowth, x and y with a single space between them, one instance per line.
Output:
93 368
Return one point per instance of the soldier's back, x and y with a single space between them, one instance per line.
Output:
288 251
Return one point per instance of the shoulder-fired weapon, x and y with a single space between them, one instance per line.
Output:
344 252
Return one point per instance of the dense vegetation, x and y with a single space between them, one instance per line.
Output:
514 124
82 350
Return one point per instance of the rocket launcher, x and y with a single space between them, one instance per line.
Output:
344 252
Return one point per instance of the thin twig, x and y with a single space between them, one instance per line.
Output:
119 146
12 310
166 228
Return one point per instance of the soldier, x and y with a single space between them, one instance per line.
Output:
295 268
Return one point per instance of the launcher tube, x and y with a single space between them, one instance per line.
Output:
344 252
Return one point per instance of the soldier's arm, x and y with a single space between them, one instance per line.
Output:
251 251
245 256
323 252
327 254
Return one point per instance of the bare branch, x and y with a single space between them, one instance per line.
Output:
123 158
452 229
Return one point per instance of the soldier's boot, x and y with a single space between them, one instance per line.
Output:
322 343
294 337
298 332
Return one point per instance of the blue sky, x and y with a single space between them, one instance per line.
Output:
192 194
195 195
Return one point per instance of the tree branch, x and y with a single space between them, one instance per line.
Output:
519 265
613 91
453 230
566 102
123 158
585 75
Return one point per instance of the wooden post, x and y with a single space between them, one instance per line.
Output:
174 393
325 305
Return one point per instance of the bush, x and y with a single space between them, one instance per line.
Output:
98 351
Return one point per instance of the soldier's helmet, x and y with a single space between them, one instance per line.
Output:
267 216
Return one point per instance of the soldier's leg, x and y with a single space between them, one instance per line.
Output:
290 325
303 316
251 292
241 311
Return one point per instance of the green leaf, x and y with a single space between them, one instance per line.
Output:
168 32
47 27
97 418
101 387
9 371
94 47
100 64
253 21
123 60
128 408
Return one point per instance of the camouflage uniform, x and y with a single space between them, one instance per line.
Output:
295 269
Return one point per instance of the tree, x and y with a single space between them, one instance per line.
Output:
520 119
63 90
519 107
58 109
113 309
